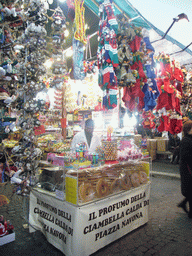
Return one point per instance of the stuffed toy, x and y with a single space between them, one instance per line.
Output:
146 40
150 72
164 123
35 30
151 94
124 55
148 122
11 15
135 44
179 94
107 54
59 20
176 124
177 73
110 99
133 97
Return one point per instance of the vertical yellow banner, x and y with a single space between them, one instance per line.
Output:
71 190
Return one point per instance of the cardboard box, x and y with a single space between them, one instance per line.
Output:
153 154
7 239
148 144
137 139
152 144
157 138
162 145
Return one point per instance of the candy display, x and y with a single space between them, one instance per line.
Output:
128 150
110 149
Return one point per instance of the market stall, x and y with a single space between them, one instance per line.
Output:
83 200
82 230
112 203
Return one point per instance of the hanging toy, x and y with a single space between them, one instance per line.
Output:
15 177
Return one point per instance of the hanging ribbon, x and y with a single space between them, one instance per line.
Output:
79 20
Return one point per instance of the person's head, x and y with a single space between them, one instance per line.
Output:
89 126
187 128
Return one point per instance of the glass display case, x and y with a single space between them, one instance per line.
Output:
95 183
84 185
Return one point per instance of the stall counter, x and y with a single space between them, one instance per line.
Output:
82 230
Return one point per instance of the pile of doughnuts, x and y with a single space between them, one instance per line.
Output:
99 182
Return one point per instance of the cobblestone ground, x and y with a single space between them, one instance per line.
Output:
168 231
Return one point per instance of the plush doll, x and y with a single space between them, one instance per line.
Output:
133 97
135 44
146 40
148 121
150 72
151 94
107 55
124 55
15 177
32 29
175 124
59 20
110 99
177 73
164 123
10 12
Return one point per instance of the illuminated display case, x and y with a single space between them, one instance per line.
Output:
83 185
95 183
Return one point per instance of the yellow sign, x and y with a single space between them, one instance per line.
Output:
146 168
71 189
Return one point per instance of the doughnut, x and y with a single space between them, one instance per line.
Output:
102 188
116 185
86 192
135 179
143 177
126 182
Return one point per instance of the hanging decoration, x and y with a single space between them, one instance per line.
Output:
136 67
169 82
79 41
186 100
89 66
58 27
107 55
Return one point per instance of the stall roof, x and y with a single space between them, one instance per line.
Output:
168 45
